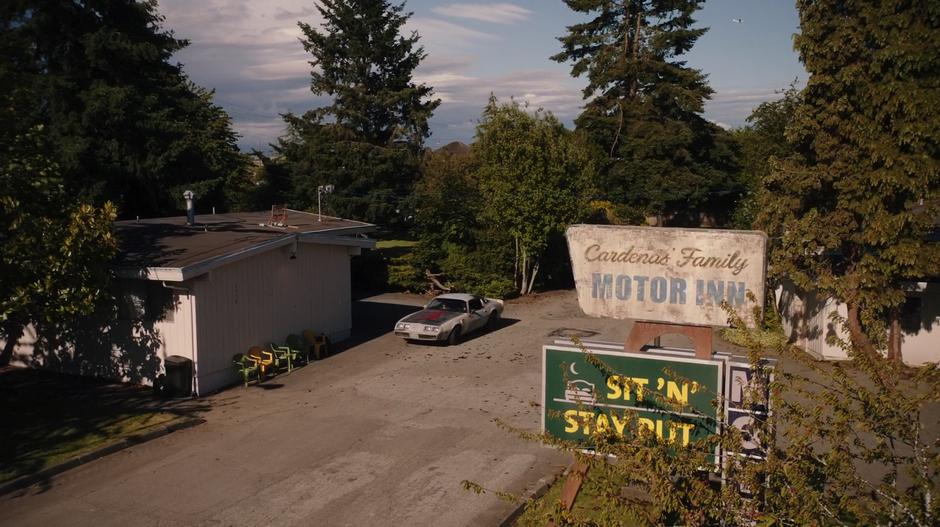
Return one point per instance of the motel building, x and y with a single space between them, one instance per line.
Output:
808 322
205 288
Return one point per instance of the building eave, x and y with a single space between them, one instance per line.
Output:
337 237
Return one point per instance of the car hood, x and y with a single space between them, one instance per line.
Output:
432 317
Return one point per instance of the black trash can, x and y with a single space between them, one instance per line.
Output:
179 376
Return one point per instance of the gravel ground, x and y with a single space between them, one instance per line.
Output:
381 433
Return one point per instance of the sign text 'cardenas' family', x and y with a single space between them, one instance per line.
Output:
672 290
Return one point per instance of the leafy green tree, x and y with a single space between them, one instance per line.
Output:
455 244
763 141
851 211
55 252
124 122
367 141
448 201
644 105
535 179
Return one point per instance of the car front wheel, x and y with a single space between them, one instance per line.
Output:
454 336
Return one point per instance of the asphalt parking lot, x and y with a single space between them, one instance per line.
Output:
381 433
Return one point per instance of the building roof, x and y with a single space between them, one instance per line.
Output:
455 148
169 249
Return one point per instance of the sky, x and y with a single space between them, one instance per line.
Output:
249 53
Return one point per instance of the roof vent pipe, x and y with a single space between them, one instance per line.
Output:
189 196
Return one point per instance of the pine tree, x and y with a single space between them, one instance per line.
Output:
644 105
851 212
124 123
366 142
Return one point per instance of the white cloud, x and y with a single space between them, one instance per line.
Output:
729 107
441 34
501 13
249 52
290 69
443 79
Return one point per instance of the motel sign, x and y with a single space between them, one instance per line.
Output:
668 275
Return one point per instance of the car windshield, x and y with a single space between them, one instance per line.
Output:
448 304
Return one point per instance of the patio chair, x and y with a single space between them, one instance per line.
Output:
264 359
318 343
283 354
297 345
245 367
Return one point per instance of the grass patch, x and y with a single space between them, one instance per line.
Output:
71 441
50 418
394 244
392 249
588 506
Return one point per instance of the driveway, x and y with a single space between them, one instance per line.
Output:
379 434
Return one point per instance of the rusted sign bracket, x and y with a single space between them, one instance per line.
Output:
643 332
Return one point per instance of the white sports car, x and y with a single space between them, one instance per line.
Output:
448 317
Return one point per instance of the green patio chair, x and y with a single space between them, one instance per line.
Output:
245 367
296 344
283 354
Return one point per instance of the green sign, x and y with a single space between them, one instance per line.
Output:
670 396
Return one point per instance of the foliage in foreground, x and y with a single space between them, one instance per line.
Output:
55 251
846 444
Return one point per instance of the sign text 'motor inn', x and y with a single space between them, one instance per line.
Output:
667 275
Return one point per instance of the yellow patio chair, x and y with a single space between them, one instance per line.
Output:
264 359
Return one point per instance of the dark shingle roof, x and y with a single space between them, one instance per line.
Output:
170 243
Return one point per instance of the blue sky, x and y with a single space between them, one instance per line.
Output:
247 50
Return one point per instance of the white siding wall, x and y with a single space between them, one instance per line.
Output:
807 323
248 302
921 342
125 350
265 298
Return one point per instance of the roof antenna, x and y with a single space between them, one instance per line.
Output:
189 196
322 189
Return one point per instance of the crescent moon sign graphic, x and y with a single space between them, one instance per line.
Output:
572 369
